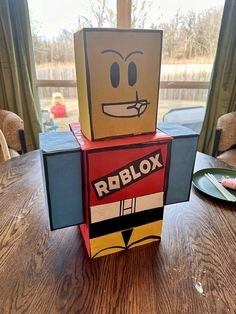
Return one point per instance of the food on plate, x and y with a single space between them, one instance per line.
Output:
228 182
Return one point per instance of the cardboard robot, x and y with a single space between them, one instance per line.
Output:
113 173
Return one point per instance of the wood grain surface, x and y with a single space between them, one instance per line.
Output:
192 270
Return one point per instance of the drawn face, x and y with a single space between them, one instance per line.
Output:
124 69
126 109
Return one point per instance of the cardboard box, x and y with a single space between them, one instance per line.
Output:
116 189
183 154
125 184
126 239
118 77
62 178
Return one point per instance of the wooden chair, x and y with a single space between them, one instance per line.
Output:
225 139
12 139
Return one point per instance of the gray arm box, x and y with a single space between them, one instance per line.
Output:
62 176
182 159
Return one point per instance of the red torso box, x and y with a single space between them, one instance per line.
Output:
124 190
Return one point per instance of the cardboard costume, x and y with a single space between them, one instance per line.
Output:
118 75
116 189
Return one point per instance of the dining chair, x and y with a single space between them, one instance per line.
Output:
12 138
4 150
225 139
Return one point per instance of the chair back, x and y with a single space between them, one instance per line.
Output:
4 150
12 127
227 126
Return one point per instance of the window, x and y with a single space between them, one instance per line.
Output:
190 34
53 24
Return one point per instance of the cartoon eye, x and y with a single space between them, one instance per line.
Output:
132 73
115 74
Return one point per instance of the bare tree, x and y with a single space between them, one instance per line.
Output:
191 35
140 13
100 15
186 36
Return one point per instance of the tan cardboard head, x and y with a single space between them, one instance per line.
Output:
118 75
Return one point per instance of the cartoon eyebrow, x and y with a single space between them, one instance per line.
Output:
133 52
114 51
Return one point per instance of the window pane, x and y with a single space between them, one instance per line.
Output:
179 106
53 24
54 118
190 34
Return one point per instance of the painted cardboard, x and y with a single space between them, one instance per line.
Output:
116 189
183 154
134 171
121 222
129 167
118 76
62 178
125 239
125 207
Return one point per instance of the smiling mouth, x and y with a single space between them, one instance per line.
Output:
127 109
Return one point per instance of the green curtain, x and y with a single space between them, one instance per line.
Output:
17 91
222 90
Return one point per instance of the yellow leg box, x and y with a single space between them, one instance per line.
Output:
126 239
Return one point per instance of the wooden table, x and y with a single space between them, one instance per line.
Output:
192 271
